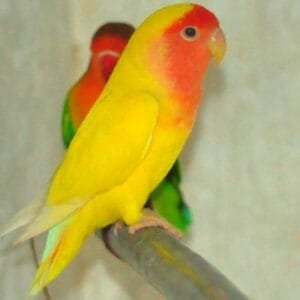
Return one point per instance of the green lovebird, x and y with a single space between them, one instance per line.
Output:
106 48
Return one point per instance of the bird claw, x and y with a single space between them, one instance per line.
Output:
117 226
151 219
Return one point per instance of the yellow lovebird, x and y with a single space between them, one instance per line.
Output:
131 137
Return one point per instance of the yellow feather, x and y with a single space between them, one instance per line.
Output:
67 246
48 216
109 145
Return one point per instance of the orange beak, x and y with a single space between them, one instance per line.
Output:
217 45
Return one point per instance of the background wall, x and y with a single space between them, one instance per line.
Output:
241 166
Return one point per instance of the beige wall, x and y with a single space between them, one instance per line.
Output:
241 166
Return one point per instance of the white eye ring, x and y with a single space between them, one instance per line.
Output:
190 33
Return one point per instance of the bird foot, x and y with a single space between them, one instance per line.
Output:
117 226
151 219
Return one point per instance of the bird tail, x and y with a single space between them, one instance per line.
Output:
63 243
39 217
22 218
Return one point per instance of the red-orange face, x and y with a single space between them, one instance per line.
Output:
106 51
187 48
107 45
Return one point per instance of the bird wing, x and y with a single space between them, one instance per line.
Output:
110 143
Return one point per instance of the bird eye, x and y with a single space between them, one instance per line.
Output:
190 33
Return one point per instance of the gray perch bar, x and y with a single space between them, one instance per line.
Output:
171 267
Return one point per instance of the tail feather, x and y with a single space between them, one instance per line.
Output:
63 243
47 217
53 237
23 217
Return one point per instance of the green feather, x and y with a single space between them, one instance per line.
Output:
68 130
174 174
167 200
53 237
